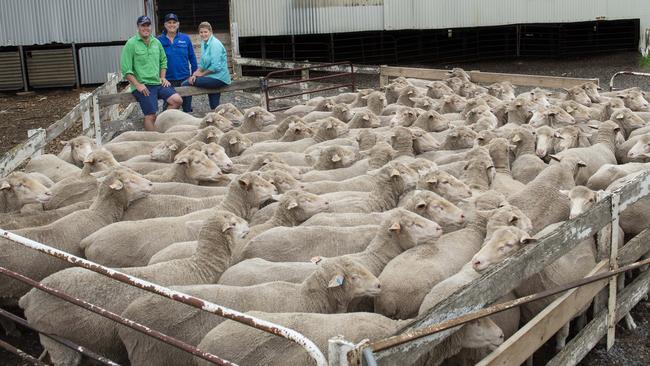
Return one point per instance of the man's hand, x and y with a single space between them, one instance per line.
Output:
165 83
142 89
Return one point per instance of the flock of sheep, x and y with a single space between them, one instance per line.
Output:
348 215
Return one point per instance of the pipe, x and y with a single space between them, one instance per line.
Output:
611 81
83 350
117 318
20 353
397 340
369 357
290 334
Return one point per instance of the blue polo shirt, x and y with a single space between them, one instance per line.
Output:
180 56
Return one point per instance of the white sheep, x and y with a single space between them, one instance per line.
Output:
19 189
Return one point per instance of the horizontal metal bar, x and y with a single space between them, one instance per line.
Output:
280 64
611 81
196 302
311 67
423 332
81 349
117 318
20 353
310 79
349 85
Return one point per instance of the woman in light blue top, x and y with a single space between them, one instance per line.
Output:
213 66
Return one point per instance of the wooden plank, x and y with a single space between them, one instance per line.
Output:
280 64
97 122
85 113
521 345
414 72
500 280
57 128
21 152
37 131
613 264
111 99
590 335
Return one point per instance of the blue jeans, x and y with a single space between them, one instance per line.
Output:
204 82
186 109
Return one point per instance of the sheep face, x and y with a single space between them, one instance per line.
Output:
282 180
539 97
331 128
438 89
297 131
592 91
522 107
406 95
579 112
544 141
627 119
80 147
339 156
131 183
578 94
405 117
303 205
508 215
480 172
259 189
551 116
567 138
348 280
424 103
477 112
293 171
232 225
430 121
503 243
634 100
453 104
455 83
217 154
459 73
641 149
25 188
422 141
410 228
234 143
446 185
230 112
165 151
582 199
260 116
100 160
433 207
482 333
217 120
485 136
364 120
198 166
209 134
342 112
461 137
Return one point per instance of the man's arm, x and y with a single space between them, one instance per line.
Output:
192 56
139 87
126 63
163 66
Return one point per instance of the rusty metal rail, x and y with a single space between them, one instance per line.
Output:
118 319
81 349
383 344
289 334
266 86
20 353
611 81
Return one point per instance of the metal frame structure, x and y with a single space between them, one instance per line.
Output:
611 81
305 78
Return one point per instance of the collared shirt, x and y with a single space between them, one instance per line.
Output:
144 61
180 56
215 59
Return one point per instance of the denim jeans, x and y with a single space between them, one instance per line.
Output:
204 82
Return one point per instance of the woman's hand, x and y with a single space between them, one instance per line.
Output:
192 79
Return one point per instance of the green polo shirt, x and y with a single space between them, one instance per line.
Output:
143 61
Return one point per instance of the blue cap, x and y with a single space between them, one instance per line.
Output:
143 19
170 16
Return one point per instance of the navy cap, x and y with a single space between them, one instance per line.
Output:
171 16
143 19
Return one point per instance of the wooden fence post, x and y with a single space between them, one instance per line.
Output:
41 133
383 78
111 88
613 264
338 349
603 240
304 74
85 115
97 123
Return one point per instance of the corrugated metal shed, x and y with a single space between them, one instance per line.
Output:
96 62
11 77
50 68
37 22
287 17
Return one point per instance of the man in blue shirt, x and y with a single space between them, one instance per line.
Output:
180 54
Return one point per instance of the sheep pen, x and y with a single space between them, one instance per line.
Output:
500 161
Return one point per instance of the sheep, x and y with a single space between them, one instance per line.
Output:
255 119
459 138
404 116
76 150
597 155
520 110
503 181
320 328
444 184
503 90
15 221
166 151
120 188
367 139
187 190
570 137
282 180
634 99
364 119
527 165
608 173
216 238
234 143
335 157
123 151
19 189
215 153
339 111
295 172
438 89
255 271
375 103
545 143
362 183
189 167
553 116
174 117
430 121
152 136
51 166
635 218
592 91
358 99
154 206
328 129
329 289
276 133
581 113
133 243
635 149
452 104
314 104
578 94
406 94
230 112
207 134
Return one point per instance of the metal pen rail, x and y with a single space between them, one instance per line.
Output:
611 81
269 327
266 86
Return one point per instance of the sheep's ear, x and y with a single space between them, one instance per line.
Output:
555 157
516 138
221 111
366 117
292 204
569 109
89 160
209 119
396 227
421 204
182 160
329 125
116 185
232 141
582 163
336 281
225 227
564 192
453 134
65 143
5 185
527 240
556 134
394 173
513 218
244 183
432 181
250 114
173 147
317 259
336 158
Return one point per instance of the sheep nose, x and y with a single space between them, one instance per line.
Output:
48 193
475 264
462 217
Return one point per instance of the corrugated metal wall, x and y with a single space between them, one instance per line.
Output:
287 17
37 22
96 62
11 77
50 68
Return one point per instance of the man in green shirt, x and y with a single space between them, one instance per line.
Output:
144 65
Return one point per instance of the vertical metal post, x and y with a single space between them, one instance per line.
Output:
41 137
304 74
383 79
234 46
97 123
75 61
23 67
85 115
613 265
264 93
